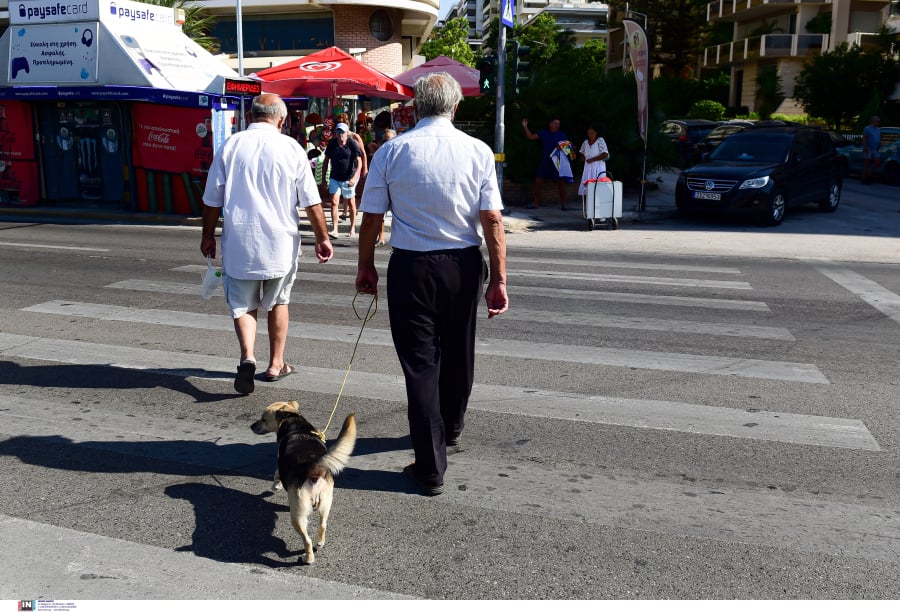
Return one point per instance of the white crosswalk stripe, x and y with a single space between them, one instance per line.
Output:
676 362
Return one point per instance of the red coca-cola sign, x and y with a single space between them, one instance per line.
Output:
167 138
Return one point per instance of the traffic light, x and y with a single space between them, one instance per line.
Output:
487 75
520 70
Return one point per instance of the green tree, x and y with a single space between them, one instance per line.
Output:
451 40
769 93
838 85
197 22
678 31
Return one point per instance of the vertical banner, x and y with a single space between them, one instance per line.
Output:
639 54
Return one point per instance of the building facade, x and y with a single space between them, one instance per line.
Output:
585 19
786 34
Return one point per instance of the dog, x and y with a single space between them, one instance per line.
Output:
306 469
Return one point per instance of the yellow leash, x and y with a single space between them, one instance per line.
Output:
369 315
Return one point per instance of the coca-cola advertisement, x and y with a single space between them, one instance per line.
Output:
171 139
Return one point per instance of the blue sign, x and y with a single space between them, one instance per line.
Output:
507 13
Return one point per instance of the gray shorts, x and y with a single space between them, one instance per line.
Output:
244 296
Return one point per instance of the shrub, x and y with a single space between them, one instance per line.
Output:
707 109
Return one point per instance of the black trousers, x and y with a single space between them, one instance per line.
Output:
433 299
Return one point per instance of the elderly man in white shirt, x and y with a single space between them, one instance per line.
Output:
258 180
441 188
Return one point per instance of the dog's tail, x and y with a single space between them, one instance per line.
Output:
338 455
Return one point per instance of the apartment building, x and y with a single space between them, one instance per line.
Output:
786 34
587 20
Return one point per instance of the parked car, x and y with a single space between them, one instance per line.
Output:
684 134
762 171
888 170
715 136
726 129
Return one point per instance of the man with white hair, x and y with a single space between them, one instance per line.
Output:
258 179
441 188
345 158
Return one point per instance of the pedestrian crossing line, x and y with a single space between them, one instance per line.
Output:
566 353
588 320
640 298
645 280
135 571
580 294
607 497
28 245
623 264
533 402
555 275
571 263
873 294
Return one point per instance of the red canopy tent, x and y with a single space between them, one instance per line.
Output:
328 74
465 75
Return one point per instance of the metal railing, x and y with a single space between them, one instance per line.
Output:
767 45
726 8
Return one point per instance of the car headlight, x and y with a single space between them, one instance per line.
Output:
755 183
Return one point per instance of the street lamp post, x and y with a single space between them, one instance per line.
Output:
240 54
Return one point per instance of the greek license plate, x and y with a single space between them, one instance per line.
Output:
707 195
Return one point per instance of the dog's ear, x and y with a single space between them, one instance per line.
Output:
281 414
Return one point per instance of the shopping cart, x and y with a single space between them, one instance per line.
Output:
602 202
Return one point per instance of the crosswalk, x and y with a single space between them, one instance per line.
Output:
732 511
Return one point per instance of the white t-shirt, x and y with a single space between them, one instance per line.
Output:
259 178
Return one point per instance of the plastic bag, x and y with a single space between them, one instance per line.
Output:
211 280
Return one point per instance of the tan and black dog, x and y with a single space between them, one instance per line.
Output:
305 467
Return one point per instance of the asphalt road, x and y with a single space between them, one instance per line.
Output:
677 409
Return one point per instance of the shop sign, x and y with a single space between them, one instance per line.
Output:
32 12
53 53
236 87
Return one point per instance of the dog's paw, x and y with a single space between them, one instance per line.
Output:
277 486
308 558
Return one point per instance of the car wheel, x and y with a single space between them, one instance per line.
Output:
774 214
892 174
831 201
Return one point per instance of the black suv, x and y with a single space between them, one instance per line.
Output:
763 171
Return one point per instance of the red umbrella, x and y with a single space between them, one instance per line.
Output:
328 74
465 75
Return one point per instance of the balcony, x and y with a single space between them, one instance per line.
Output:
728 10
766 46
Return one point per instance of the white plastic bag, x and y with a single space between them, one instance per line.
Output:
211 280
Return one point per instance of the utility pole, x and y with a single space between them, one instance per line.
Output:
500 126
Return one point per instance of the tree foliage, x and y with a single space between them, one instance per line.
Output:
678 29
570 83
838 85
452 40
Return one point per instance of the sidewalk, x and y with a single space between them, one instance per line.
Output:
660 204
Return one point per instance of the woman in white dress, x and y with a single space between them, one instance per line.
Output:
594 153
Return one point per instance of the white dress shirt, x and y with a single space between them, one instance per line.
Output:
259 177
435 180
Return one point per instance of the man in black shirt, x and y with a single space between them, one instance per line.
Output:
345 159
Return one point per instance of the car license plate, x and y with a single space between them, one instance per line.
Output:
707 195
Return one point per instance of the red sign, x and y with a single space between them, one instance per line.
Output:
242 88
16 133
171 138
